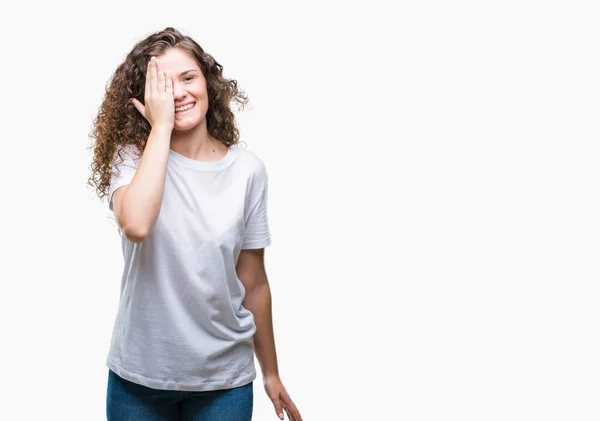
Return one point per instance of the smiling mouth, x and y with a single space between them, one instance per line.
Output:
185 108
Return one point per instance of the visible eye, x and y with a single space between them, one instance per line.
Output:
188 78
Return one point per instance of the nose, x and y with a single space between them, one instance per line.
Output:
178 91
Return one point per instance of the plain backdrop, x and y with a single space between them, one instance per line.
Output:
433 201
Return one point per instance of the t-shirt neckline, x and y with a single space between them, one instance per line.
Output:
204 165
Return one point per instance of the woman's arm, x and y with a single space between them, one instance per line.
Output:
138 203
251 272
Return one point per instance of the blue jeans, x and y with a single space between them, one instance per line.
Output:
127 401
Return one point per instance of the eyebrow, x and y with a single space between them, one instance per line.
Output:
187 71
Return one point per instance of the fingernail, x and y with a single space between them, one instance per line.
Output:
281 415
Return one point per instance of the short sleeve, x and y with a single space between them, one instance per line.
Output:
257 234
123 172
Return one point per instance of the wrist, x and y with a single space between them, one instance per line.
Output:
269 376
161 130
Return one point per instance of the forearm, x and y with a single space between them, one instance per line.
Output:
142 200
258 301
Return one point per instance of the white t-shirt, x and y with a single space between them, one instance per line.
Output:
180 324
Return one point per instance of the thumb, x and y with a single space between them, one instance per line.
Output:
278 408
139 106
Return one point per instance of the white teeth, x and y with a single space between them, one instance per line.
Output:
185 107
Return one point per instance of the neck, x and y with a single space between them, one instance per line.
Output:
197 144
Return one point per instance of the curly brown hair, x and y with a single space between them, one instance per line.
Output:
118 123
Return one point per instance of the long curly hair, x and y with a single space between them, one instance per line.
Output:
119 124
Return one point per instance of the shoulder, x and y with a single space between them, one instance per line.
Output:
250 161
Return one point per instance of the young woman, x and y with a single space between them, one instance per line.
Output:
191 205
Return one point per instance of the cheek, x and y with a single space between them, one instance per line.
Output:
201 93
202 97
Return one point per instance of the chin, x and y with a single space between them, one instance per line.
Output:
184 126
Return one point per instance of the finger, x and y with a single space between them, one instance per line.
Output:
289 414
139 106
291 408
296 413
148 90
153 75
168 84
293 414
160 78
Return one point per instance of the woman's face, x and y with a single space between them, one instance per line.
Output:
189 88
